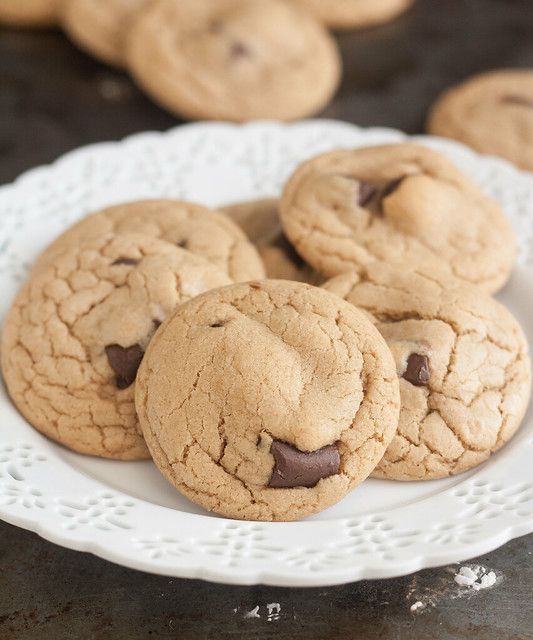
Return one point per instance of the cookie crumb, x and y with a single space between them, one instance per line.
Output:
475 577
254 613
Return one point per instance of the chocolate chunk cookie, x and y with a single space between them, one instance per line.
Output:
355 14
233 60
28 13
346 209
100 26
463 365
289 399
200 230
259 219
77 332
492 113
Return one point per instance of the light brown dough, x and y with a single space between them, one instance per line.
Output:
479 367
54 358
266 361
422 210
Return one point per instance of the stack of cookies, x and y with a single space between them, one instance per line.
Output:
216 59
151 329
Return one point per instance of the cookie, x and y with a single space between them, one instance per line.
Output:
289 399
463 364
492 113
200 230
28 13
233 60
259 219
77 331
355 14
345 209
100 26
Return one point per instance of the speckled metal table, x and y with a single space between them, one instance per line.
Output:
53 99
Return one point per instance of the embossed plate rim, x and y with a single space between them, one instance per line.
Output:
70 508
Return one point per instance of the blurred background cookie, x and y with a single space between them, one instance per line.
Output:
492 113
233 60
99 26
355 14
29 13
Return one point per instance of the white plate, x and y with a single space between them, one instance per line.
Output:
126 512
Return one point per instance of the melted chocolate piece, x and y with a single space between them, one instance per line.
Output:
294 468
239 50
125 362
182 243
366 192
417 371
391 186
157 324
521 101
128 261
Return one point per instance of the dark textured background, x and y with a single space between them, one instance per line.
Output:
53 99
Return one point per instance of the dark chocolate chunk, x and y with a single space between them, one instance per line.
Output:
366 192
157 324
217 324
391 186
239 50
183 244
417 371
129 261
521 101
124 361
294 468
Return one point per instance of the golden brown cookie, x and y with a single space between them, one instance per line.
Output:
233 60
200 230
463 364
259 219
355 14
289 399
492 113
346 209
77 331
100 26
28 13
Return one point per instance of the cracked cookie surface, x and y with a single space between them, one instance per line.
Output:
100 26
198 229
346 209
75 335
28 13
234 60
350 14
492 113
259 219
285 383
463 364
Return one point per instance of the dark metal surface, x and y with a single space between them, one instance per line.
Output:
53 99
